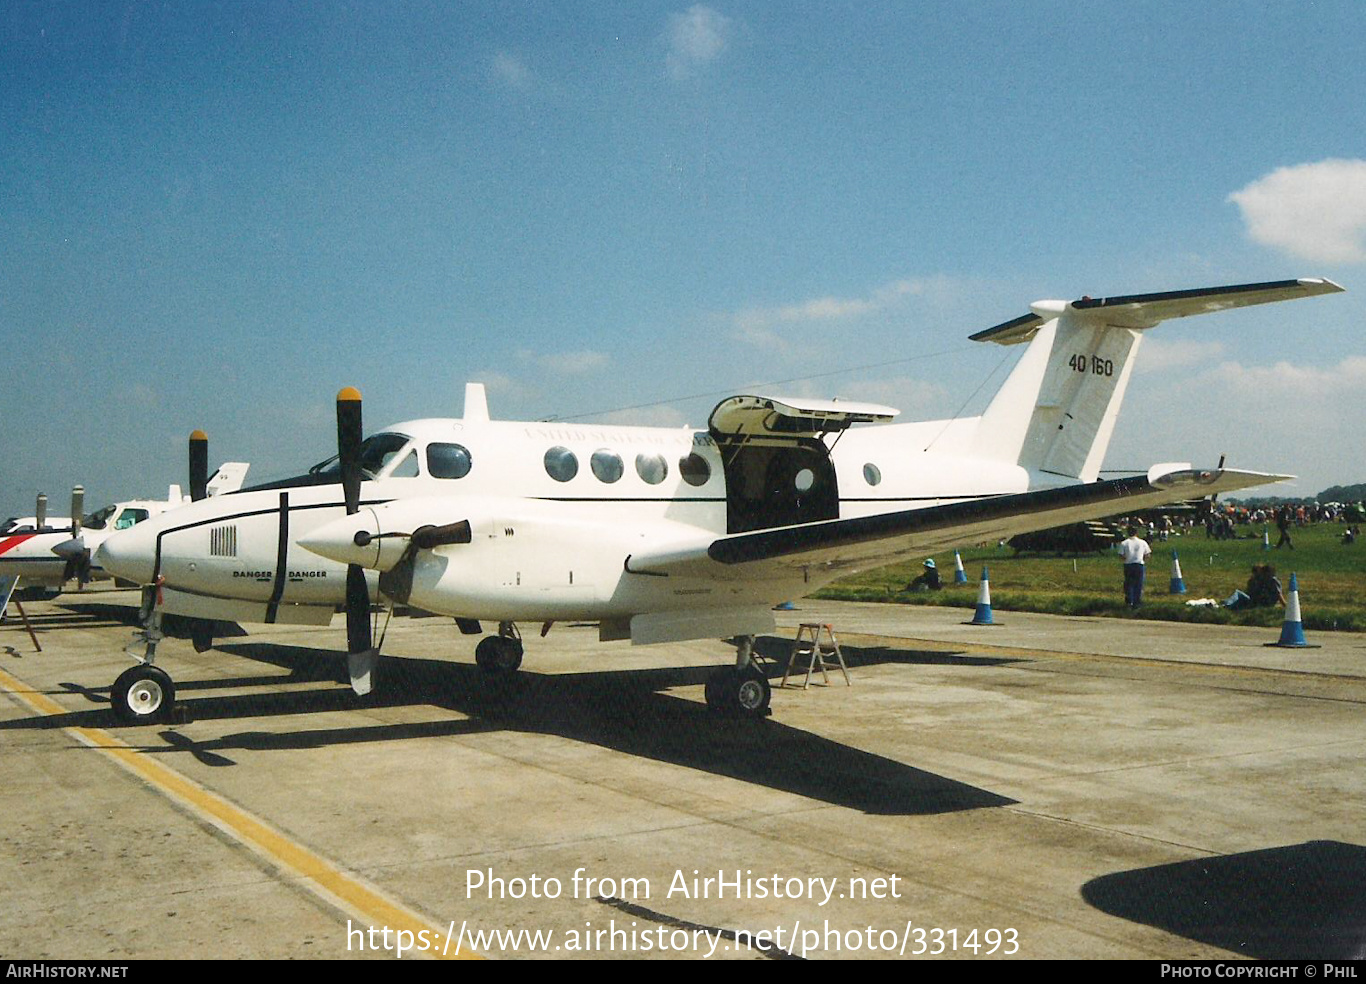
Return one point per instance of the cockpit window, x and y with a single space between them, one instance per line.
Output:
99 519
447 461
407 468
130 517
376 451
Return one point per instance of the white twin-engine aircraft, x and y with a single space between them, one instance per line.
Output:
659 534
47 552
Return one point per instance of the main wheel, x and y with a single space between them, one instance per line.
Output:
498 654
730 692
143 694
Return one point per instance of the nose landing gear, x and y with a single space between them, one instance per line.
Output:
144 694
500 655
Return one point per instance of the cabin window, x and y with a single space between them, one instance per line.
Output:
130 517
407 468
606 465
652 468
448 460
560 464
872 474
694 469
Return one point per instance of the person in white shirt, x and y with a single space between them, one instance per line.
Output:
1134 551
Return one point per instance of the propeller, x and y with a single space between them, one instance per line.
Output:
74 551
201 629
360 654
40 512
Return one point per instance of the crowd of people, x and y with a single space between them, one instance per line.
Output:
1222 521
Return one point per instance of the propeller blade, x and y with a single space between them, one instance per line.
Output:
199 465
77 509
41 511
358 638
348 445
357 610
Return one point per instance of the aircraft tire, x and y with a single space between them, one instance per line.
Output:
498 655
143 694
744 694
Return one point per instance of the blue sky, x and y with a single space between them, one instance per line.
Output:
218 214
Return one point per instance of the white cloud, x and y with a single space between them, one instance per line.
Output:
1157 355
1295 419
566 363
1285 381
512 71
755 325
695 37
1312 211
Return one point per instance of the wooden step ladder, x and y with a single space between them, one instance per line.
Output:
818 652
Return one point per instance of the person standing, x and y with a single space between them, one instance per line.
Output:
1284 517
1134 552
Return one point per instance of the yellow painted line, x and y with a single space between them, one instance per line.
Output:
345 891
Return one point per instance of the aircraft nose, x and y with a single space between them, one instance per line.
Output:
129 554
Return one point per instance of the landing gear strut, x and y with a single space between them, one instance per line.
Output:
742 689
144 694
500 655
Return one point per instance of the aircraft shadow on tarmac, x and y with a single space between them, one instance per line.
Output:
624 710
1299 902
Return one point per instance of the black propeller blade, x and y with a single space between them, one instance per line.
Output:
199 466
358 638
201 629
40 514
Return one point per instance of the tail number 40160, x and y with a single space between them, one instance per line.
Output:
1094 365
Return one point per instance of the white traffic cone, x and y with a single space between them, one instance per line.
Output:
960 576
1292 629
982 615
1178 584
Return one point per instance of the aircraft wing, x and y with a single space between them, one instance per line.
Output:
848 545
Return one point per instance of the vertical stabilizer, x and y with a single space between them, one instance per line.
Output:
1057 410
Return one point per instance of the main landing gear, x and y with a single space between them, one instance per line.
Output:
500 655
144 694
741 689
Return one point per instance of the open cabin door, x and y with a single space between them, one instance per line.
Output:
777 464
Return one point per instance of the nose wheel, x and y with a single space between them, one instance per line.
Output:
500 655
143 694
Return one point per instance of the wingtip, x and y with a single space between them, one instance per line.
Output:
1321 285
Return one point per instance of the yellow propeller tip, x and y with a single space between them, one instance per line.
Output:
348 393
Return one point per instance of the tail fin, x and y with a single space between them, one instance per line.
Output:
1057 410
228 478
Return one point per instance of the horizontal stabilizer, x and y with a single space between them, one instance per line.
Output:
1147 310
